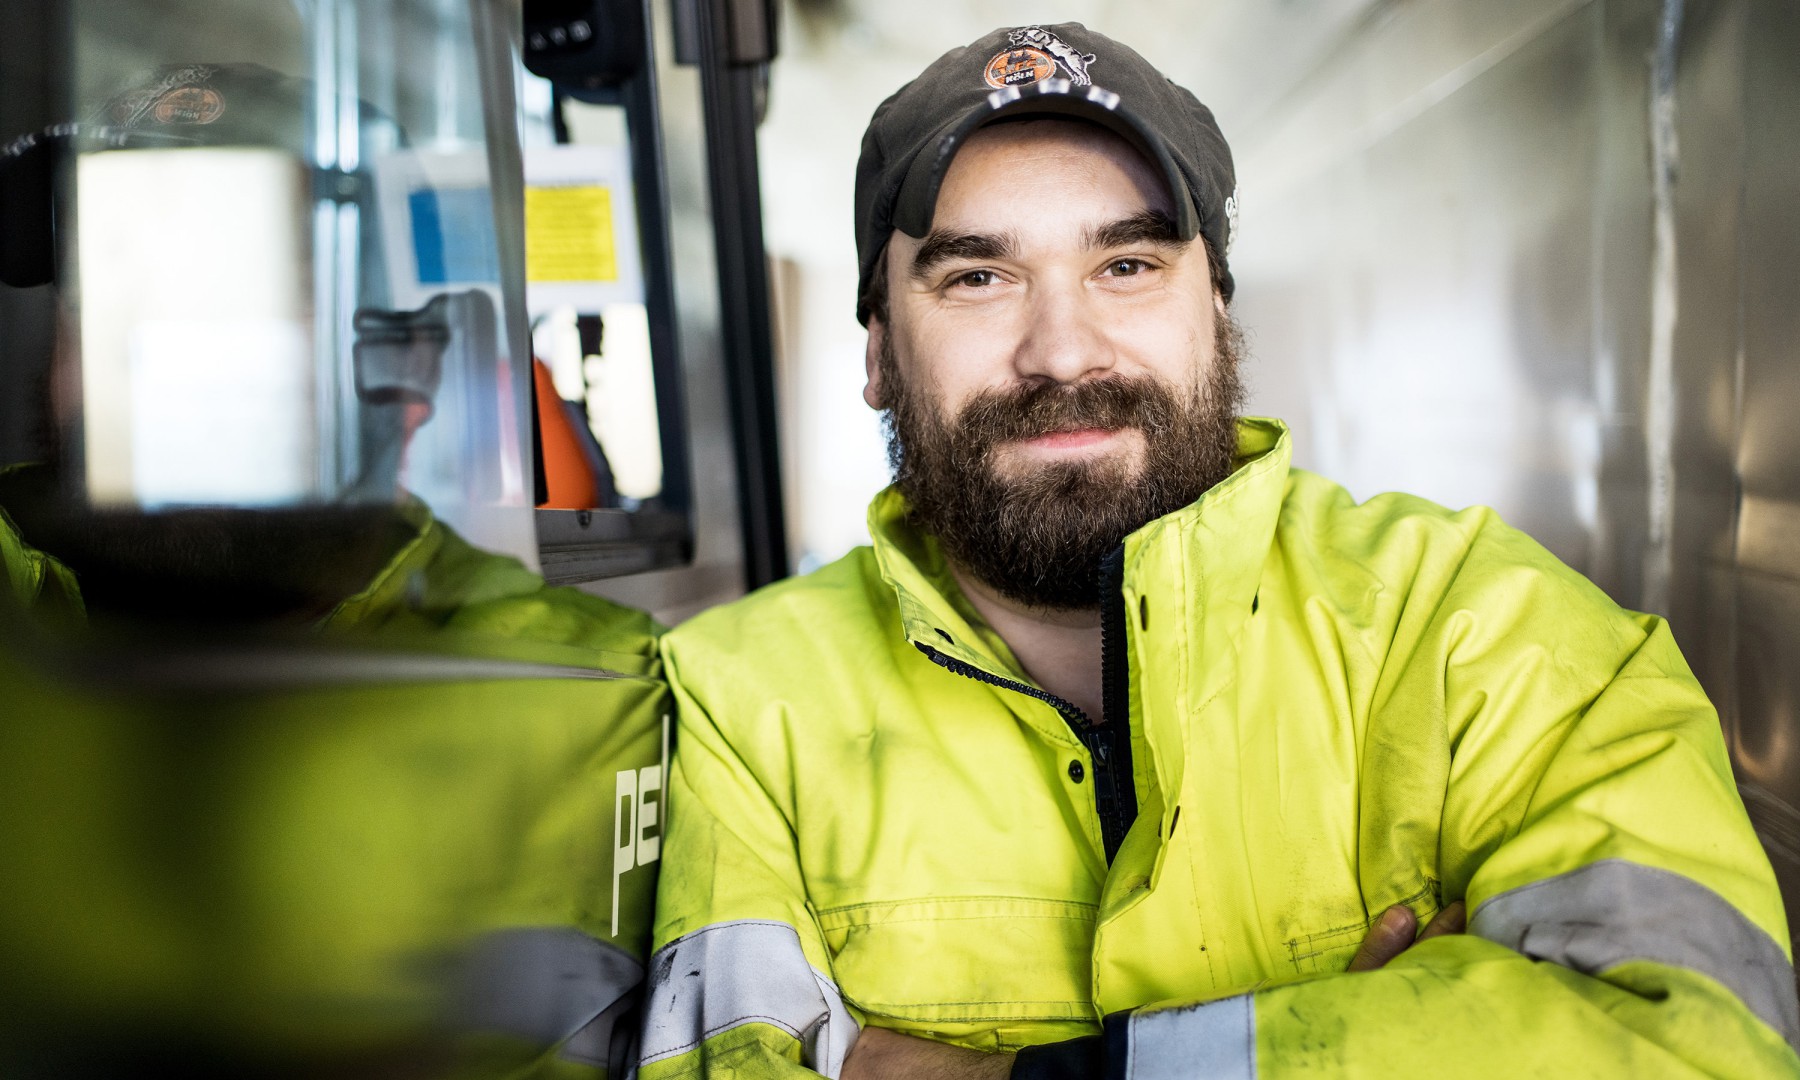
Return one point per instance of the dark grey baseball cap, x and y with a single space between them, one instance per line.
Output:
1060 70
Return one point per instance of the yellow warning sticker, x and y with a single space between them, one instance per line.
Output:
569 234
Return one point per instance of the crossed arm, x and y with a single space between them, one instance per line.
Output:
880 1054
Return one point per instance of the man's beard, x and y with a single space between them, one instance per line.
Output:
1038 537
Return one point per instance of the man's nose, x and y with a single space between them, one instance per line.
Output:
1064 338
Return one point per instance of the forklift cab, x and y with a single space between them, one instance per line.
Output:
324 343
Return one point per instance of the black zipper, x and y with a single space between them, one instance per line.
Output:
1071 712
1115 784
1108 744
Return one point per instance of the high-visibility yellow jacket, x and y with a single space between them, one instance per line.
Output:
430 824
876 817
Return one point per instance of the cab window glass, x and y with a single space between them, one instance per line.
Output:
287 276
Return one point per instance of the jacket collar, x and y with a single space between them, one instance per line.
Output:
934 613
1212 550
388 589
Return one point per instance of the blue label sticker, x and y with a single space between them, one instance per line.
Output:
453 236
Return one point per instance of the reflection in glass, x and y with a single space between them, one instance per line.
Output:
303 772
239 229
585 291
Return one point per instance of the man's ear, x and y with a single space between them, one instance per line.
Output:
873 391
1218 303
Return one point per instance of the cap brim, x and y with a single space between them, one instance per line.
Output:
916 202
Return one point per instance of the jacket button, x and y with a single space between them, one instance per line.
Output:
1075 771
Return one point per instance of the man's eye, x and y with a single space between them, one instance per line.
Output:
975 279
1126 267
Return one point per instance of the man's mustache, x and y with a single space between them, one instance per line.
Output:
1033 410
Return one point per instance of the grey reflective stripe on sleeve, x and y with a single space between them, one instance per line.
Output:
750 972
1612 911
544 984
1214 1041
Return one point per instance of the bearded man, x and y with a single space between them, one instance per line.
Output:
1128 750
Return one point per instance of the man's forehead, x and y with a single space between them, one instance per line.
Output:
1084 171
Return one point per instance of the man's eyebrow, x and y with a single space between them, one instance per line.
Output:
941 247
1149 227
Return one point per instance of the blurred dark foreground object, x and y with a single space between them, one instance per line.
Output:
386 844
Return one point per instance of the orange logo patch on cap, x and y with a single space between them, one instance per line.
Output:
189 105
1019 67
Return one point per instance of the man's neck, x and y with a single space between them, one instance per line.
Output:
1060 650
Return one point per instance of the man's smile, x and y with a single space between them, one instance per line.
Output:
1071 440
1078 446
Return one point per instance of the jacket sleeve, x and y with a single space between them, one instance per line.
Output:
739 983
1624 920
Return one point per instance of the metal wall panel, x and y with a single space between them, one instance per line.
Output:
1765 725
1422 304
1768 458
1621 332
1689 537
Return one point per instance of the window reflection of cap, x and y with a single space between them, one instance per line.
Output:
210 104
